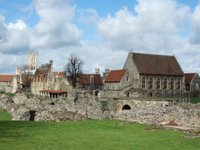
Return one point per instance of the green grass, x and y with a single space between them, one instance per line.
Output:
195 100
4 115
9 94
90 135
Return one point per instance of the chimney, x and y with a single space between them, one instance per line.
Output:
105 74
97 70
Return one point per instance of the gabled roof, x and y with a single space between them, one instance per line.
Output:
157 64
84 79
115 76
189 77
6 78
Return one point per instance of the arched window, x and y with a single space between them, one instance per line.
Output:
196 86
143 83
165 84
127 78
172 84
158 83
178 84
150 83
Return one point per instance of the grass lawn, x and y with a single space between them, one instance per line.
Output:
195 100
89 135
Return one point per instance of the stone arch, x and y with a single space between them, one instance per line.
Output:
126 107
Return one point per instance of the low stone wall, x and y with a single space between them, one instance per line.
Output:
45 109
80 105
156 112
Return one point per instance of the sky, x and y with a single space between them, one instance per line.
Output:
101 33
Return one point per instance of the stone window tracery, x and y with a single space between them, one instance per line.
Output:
158 83
178 84
165 84
172 84
143 83
150 83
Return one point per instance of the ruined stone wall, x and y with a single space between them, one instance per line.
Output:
156 112
77 105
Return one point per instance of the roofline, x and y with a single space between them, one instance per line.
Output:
119 70
152 54
195 74
161 74
193 77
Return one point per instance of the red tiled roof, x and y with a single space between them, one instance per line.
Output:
189 77
6 78
53 91
157 64
115 76
84 79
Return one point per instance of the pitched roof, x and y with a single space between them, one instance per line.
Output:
6 78
85 79
115 76
157 64
189 77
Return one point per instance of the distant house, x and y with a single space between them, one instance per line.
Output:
117 80
192 83
90 81
8 83
49 83
155 74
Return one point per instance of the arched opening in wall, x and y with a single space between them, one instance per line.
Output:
126 107
32 115
127 94
96 93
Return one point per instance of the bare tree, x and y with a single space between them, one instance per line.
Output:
74 68
26 76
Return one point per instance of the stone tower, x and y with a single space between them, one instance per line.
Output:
33 60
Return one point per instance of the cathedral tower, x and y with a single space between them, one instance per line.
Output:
33 60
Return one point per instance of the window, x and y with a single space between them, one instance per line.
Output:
178 84
158 83
196 86
172 84
150 83
165 84
127 78
143 83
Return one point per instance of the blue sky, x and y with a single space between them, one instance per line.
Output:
103 31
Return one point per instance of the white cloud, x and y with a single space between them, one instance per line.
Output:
94 55
156 26
55 27
88 16
10 61
19 25
155 21
16 37
196 25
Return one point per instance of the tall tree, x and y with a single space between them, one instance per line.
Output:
74 68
